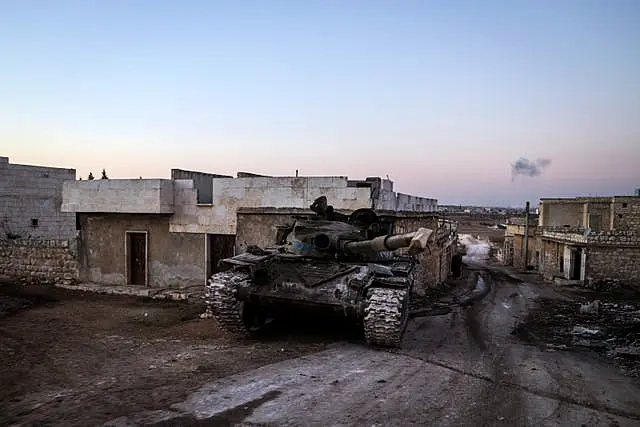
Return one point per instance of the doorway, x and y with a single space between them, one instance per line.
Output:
219 247
576 264
136 258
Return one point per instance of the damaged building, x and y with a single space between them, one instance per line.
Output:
171 233
594 241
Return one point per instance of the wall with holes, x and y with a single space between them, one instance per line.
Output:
30 199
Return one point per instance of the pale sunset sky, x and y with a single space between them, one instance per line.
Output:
442 96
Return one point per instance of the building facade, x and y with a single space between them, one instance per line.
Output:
170 233
590 240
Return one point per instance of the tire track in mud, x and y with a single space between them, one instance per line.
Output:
509 385
513 295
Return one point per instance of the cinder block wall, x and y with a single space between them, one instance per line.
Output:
30 200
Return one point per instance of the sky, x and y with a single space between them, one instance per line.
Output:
444 97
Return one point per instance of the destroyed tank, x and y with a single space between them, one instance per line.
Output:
345 264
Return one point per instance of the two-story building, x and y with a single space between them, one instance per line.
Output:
591 240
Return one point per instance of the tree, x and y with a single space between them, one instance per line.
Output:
90 177
104 174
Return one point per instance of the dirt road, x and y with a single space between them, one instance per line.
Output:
80 359
463 368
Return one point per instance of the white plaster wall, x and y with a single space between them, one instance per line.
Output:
118 196
229 194
389 200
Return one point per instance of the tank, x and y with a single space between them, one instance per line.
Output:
348 265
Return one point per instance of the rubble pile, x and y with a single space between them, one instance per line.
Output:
611 328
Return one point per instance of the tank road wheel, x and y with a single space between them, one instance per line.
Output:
225 307
385 316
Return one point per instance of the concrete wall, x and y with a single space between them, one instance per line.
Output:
174 260
203 183
597 215
406 202
229 194
29 193
143 196
558 214
39 261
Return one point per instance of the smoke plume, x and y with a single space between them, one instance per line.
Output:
526 167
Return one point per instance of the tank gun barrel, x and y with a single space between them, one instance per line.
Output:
416 241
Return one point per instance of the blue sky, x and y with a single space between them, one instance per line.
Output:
441 96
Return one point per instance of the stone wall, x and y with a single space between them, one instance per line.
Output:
609 265
39 261
614 238
508 250
570 237
551 259
626 214
30 199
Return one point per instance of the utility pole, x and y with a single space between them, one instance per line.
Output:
526 236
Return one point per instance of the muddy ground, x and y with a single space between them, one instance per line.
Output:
73 358
509 357
465 367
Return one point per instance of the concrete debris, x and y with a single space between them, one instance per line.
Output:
590 308
581 330
608 325
208 314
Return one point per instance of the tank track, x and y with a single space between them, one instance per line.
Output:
386 314
220 295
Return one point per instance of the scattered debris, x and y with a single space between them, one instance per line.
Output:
590 308
581 330
609 325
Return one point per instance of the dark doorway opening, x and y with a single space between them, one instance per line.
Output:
137 258
576 264
219 246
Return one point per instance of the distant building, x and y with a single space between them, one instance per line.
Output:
590 240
